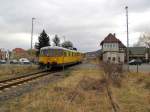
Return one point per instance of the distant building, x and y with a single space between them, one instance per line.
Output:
4 54
142 53
18 50
94 54
19 53
113 50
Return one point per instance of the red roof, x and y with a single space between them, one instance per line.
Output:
19 50
112 39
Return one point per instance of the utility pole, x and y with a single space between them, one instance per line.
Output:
32 33
126 8
32 40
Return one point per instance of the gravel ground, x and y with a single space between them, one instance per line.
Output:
40 83
29 87
85 65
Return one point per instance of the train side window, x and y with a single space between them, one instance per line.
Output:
67 53
71 53
49 52
55 52
64 53
59 52
52 52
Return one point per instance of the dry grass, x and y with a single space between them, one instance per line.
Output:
134 95
83 90
7 71
131 91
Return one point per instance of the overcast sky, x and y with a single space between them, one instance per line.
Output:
84 22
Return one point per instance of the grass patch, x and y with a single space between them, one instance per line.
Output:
133 96
83 90
7 71
78 92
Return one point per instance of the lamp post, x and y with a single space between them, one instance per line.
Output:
32 33
126 8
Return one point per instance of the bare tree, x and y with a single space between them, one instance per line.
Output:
67 44
56 41
144 40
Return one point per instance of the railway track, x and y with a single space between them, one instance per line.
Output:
8 83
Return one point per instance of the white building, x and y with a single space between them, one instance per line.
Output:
113 49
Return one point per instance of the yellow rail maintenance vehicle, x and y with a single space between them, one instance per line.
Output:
58 56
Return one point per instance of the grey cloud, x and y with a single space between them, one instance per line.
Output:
85 22
144 27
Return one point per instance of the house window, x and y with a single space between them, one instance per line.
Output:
118 59
114 58
109 58
113 45
110 45
104 45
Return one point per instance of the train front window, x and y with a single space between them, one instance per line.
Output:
44 52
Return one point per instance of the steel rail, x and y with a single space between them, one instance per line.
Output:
21 81
22 76
9 83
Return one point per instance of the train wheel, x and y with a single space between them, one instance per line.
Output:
48 66
41 66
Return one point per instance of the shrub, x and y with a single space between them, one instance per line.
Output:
113 73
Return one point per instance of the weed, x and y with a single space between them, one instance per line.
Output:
113 73
147 85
